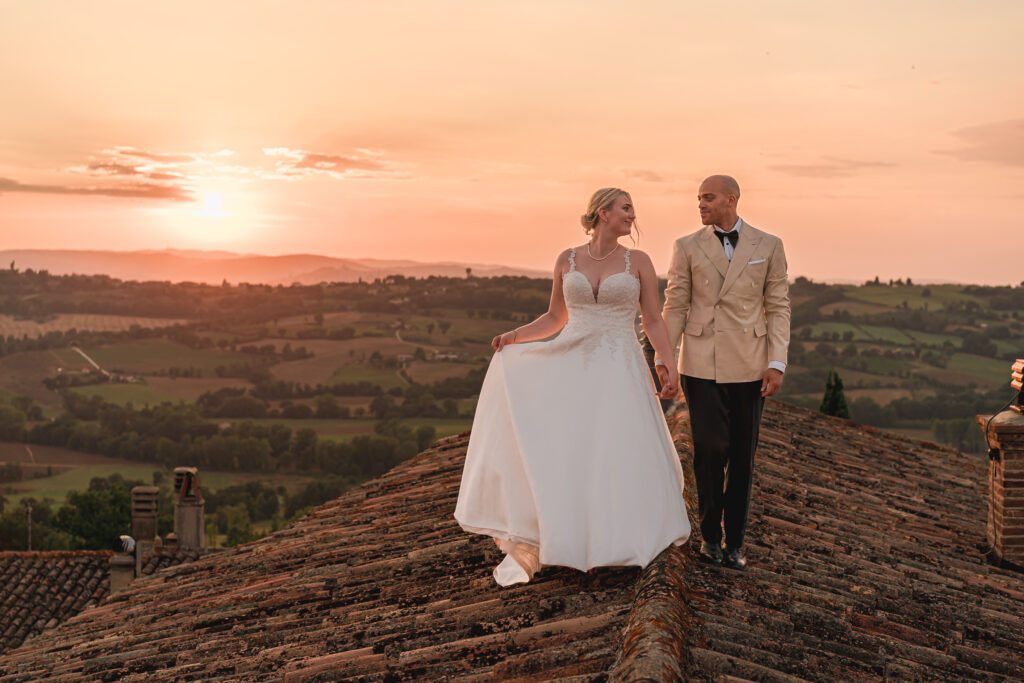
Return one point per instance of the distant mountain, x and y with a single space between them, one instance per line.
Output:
214 267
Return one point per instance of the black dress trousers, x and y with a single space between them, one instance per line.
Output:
725 419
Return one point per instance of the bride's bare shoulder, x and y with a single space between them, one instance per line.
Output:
562 261
640 258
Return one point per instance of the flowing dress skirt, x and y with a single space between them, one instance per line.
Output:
570 454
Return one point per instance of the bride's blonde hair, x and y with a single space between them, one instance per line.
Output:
601 199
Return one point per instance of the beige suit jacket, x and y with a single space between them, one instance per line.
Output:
730 317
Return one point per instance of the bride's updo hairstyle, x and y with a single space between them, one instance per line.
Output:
602 199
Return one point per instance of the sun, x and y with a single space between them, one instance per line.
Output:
212 205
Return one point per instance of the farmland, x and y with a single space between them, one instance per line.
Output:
153 355
72 471
13 327
389 358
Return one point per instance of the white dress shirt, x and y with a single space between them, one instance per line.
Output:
774 364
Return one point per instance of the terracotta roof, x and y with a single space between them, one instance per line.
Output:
864 565
39 590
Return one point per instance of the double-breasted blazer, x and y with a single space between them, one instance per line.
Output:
728 318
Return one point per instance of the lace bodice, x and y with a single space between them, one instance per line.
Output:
614 307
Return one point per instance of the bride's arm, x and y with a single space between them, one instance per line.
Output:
548 323
654 324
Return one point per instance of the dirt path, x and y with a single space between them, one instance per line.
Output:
91 361
398 336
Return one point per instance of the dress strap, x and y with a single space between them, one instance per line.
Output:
627 259
572 259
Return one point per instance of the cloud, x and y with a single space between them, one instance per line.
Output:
159 157
830 167
138 190
997 143
294 163
644 175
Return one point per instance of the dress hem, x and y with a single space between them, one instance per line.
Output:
504 535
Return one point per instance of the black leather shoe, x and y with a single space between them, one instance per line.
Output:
710 553
735 559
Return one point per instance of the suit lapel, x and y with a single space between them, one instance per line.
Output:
749 239
713 249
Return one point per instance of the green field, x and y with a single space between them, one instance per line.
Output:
345 429
357 372
138 395
829 328
931 339
895 296
152 355
429 372
58 486
889 334
988 370
880 365
1008 347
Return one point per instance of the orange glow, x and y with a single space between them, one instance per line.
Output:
875 138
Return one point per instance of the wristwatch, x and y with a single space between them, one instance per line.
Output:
658 361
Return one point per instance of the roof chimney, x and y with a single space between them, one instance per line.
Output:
145 500
188 509
1004 433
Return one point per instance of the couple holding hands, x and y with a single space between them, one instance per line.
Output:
570 461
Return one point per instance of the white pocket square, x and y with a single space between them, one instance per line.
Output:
760 260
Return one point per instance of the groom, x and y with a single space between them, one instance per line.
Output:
729 297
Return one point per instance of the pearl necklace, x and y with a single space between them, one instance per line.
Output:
603 257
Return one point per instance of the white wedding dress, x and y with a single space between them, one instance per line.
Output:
570 461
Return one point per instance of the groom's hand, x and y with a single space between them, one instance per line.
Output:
771 383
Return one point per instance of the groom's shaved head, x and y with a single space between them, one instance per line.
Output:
724 183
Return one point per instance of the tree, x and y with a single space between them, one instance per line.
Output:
12 423
425 436
304 448
96 518
381 407
327 407
444 326
834 400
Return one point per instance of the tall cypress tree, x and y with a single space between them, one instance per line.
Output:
834 400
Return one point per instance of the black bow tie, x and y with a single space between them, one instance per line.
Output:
733 237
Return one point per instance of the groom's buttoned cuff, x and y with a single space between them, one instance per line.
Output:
777 365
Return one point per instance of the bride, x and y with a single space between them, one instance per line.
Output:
570 461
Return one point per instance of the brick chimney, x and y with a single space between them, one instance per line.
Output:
1005 436
145 502
122 571
188 509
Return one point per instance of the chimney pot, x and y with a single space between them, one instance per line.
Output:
122 571
145 501
188 509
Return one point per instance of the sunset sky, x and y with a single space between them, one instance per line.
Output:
876 138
